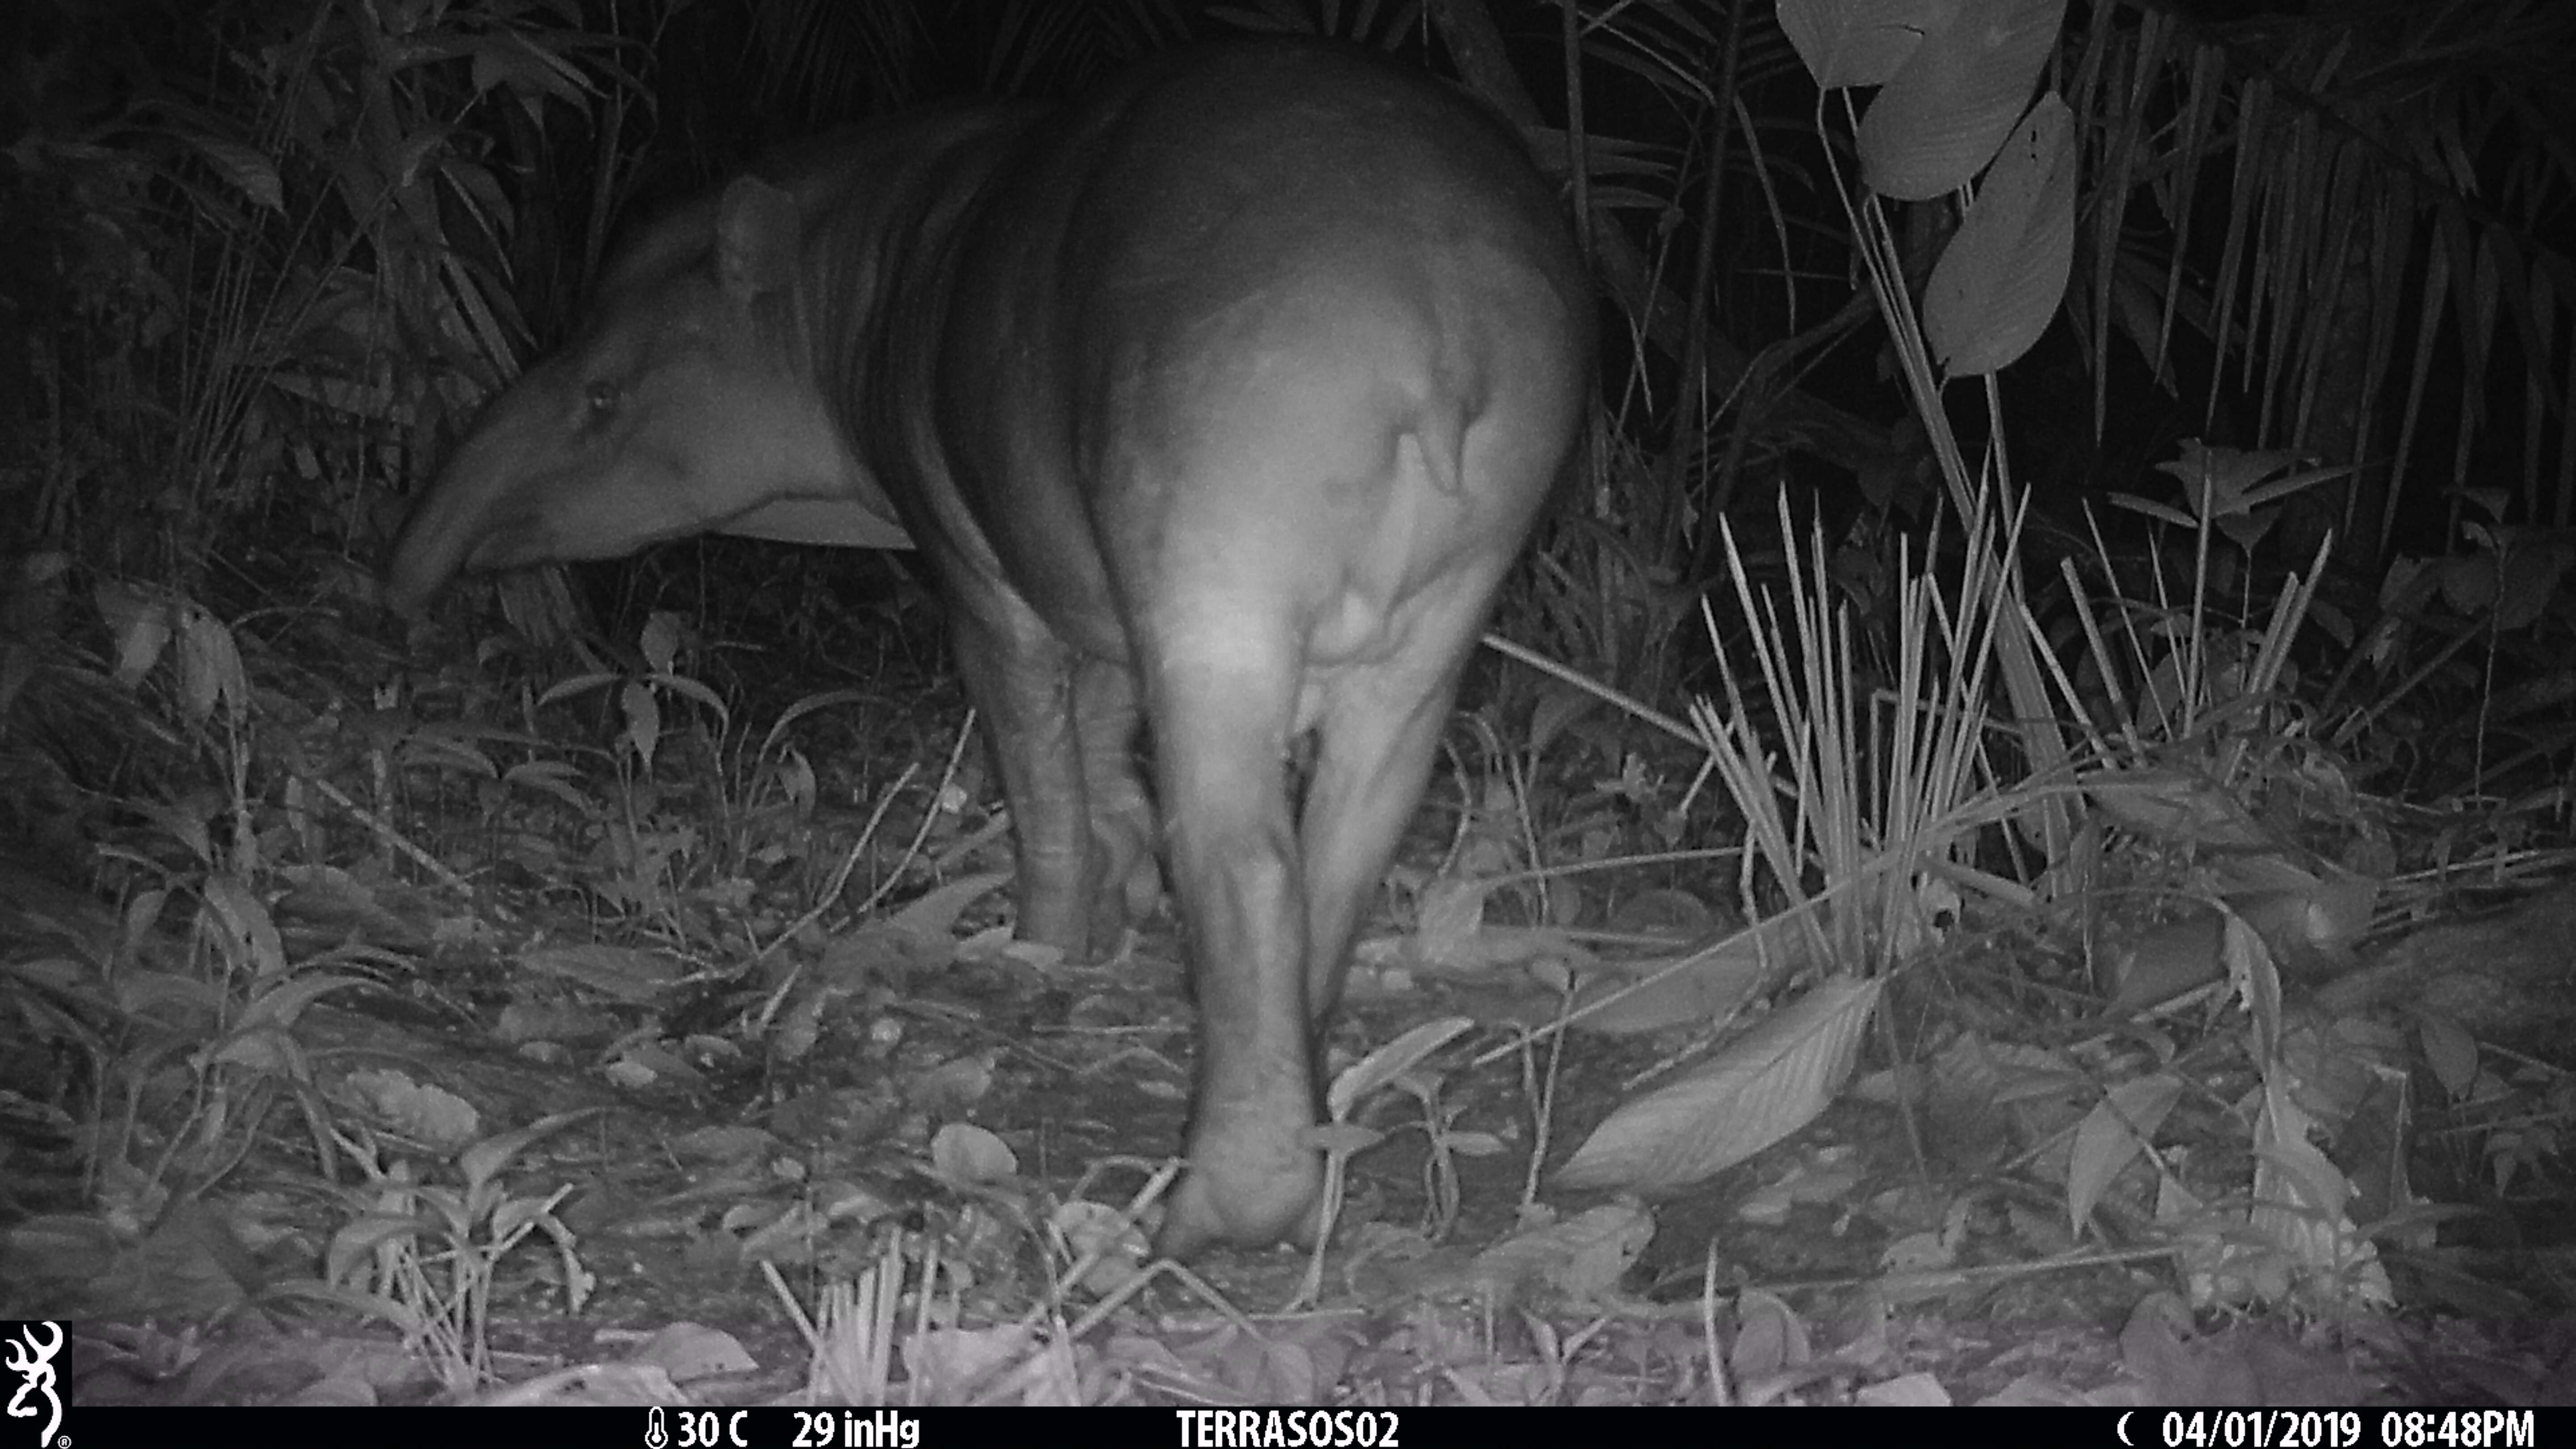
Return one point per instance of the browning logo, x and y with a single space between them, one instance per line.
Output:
27 1350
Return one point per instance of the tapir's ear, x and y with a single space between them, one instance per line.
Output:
757 237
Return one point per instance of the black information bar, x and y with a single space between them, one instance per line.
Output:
105 1427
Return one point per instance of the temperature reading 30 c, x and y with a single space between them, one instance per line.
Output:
699 1429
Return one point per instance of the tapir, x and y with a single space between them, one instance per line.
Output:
1218 400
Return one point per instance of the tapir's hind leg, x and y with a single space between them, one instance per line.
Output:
1377 727
1221 719
1375 749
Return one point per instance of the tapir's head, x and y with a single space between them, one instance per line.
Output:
690 405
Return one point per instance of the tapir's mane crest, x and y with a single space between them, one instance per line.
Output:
825 173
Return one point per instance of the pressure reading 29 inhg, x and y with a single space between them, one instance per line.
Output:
856 1429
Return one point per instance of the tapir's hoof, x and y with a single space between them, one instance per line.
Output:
1213 1207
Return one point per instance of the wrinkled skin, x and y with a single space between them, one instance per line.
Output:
1220 400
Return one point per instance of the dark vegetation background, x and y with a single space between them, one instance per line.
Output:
264 259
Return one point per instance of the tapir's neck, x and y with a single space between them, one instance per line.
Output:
880 210
879 259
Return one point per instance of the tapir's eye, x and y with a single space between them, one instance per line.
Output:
603 402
